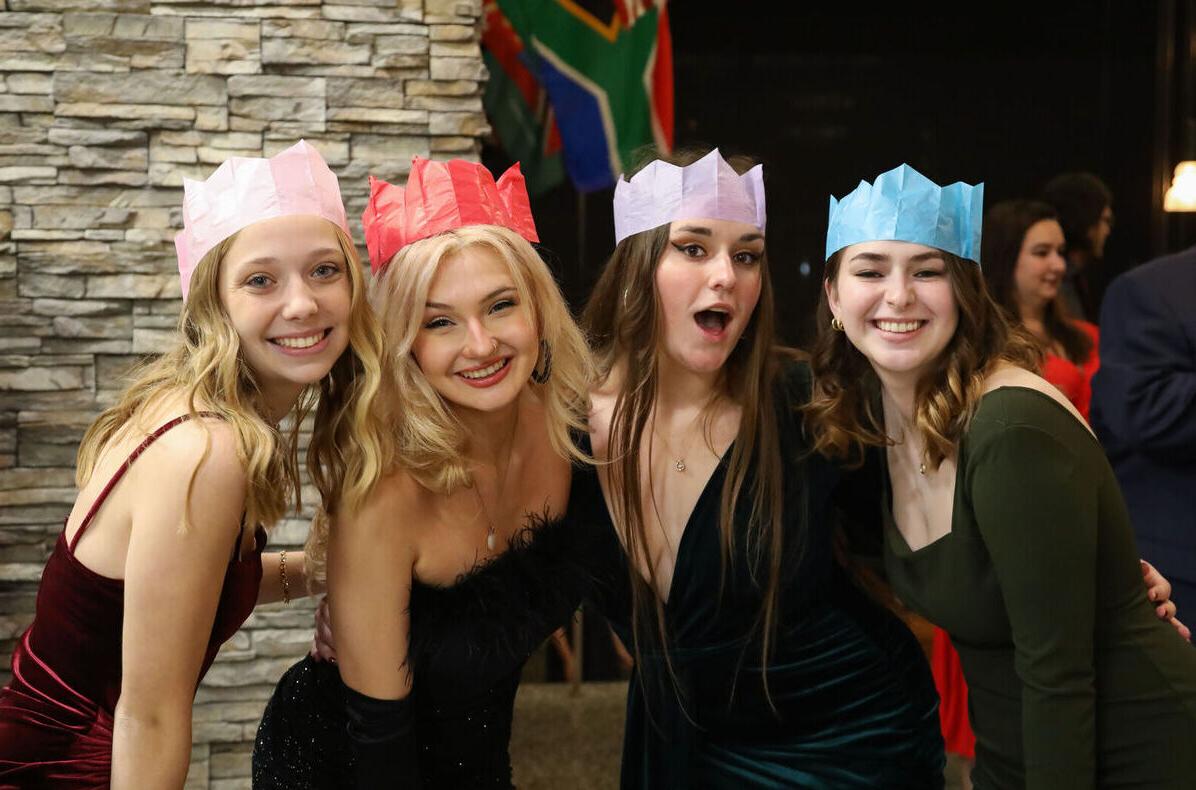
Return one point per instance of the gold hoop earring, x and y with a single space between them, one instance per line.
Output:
836 324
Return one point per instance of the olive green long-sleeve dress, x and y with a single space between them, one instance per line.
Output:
1074 683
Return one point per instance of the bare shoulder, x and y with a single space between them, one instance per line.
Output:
602 406
381 538
205 447
395 508
1014 376
192 474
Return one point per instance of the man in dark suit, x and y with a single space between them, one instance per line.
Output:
1144 410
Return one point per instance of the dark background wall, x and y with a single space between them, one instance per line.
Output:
1006 93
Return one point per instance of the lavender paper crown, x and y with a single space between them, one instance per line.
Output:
904 205
708 189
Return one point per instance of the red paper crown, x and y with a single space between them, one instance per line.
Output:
441 196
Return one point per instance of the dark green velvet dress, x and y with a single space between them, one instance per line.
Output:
855 706
1073 681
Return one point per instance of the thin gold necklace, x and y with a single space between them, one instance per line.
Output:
491 533
491 536
678 460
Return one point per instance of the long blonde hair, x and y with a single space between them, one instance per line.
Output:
623 318
206 365
843 412
430 438
424 437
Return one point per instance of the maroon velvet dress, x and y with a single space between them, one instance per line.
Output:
56 713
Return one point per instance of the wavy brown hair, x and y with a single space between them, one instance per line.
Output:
623 319
1005 229
205 364
844 411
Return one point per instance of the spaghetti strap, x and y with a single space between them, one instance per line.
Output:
141 448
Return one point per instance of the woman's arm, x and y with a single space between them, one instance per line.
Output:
173 579
277 587
370 570
1033 500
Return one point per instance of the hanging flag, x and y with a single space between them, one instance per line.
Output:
607 66
517 104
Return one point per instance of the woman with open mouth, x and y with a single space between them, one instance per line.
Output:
457 566
758 663
1004 524
160 560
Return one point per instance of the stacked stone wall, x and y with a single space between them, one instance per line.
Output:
105 105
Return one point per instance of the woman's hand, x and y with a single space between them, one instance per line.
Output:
1159 593
323 646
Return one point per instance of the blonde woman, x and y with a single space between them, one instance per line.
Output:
456 567
1004 524
161 557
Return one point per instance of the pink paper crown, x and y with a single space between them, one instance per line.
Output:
441 196
707 189
245 190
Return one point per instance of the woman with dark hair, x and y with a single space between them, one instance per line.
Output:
1003 521
1023 252
1085 206
759 663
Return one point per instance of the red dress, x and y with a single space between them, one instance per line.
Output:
56 712
1074 381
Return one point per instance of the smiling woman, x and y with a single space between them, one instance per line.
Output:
1003 523
758 663
899 303
290 306
1024 266
161 561
475 331
457 566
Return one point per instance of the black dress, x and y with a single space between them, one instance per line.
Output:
850 702
468 645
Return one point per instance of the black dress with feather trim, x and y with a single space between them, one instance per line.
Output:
469 643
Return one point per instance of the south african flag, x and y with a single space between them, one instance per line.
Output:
607 69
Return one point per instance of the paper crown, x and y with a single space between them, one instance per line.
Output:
441 196
904 205
245 190
708 189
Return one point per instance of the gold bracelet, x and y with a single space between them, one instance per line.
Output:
282 573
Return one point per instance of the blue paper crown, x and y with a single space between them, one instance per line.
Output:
904 205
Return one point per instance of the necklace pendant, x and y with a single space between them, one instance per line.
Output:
679 465
491 541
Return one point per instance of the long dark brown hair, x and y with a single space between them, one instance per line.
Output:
843 412
623 319
1005 229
